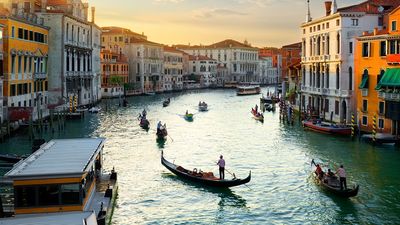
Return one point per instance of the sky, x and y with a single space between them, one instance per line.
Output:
261 22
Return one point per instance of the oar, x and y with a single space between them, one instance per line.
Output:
233 174
171 138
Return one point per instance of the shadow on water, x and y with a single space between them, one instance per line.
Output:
161 142
228 197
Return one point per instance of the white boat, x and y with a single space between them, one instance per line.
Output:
203 107
66 182
249 90
94 110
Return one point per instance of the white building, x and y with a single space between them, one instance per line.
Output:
173 69
74 56
241 59
267 74
328 56
146 65
206 68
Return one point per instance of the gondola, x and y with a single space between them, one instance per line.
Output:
166 103
207 179
257 116
162 133
144 123
332 185
203 107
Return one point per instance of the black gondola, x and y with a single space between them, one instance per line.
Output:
201 177
166 102
333 186
144 123
162 133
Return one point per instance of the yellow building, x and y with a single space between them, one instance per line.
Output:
377 68
25 66
116 38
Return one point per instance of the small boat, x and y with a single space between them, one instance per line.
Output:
326 128
189 116
257 116
150 93
144 123
166 102
94 110
206 178
269 107
203 107
162 133
332 185
269 99
248 90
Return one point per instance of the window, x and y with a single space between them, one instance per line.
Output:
351 47
350 78
382 51
365 49
392 47
13 64
380 75
327 25
337 78
26 196
381 108
337 22
365 105
364 120
354 22
12 31
20 33
19 64
326 105
336 107
381 123
394 25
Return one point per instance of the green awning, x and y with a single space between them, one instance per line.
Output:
364 82
391 78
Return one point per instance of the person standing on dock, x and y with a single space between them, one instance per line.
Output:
221 164
342 177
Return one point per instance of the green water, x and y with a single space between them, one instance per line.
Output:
281 190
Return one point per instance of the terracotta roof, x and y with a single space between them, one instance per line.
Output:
171 49
57 2
119 30
228 43
143 41
295 45
199 57
371 6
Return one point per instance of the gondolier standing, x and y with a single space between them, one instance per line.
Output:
221 164
342 177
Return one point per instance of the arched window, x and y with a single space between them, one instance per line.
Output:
338 43
350 78
327 76
380 76
337 78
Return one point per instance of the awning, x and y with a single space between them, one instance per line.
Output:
364 82
391 78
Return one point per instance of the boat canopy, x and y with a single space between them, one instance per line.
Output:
58 159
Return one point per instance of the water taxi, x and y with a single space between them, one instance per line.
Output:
248 90
63 183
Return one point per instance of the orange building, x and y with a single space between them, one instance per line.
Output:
114 73
377 69
290 55
270 52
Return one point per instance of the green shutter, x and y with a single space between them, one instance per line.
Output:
391 78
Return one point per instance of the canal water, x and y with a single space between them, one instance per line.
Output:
281 190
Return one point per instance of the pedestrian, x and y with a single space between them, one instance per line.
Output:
221 164
341 172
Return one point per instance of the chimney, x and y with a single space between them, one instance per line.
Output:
328 7
93 13
375 31
43 6
334 7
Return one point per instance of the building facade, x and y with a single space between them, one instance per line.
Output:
2 109
267 73
173 69
116 39
114 74
290 54
328 56
146 63
25 63
205 68
74 58
240 59
377 77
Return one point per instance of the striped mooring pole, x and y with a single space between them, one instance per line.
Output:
374 129
353 125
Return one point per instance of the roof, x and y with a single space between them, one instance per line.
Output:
78 218
120 30
58 158
295 45
171 49
371 6
143 41
57 2
228 43
199 57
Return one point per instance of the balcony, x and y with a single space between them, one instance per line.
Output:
40 76
389 96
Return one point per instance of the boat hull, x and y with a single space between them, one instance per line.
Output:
336 190
212 183
327 129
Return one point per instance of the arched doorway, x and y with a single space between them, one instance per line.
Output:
343 114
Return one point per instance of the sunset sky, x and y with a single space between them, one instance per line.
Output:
261 22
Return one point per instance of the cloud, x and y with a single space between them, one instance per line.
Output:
216 12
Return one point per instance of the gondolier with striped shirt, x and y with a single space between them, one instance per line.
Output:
221 164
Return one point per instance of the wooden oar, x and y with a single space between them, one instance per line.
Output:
233 174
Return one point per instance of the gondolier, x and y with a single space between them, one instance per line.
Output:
342 177
221 164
